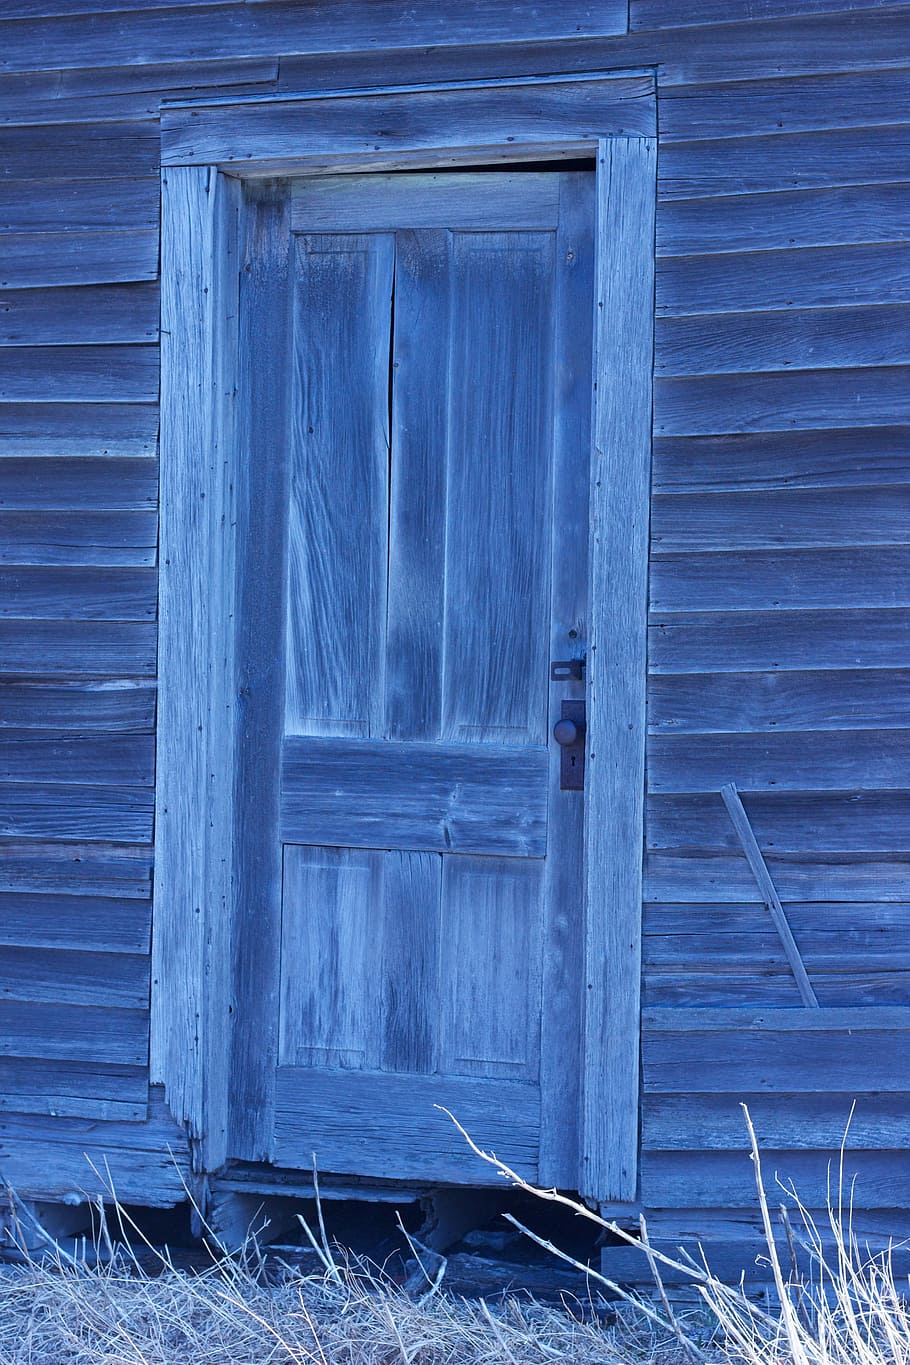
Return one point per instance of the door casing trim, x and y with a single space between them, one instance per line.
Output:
198 716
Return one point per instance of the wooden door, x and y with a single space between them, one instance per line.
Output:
417 410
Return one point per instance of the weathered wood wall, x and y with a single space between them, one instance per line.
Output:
780 534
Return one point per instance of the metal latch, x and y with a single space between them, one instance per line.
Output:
567 670
569 733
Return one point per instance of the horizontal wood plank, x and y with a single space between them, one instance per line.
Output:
92 484
66 648
77 1032
110 814
733 642
344 203
447 797
866 457
32 260
845 99
379 128
51 975
740 521
94 704
871 1179
84 429
119 871
65 205
124 538
349 1111
810 339
93 760
838 216
699 876
792 760
786 161
85 1089
849 699
85 374
791 1121
785 821
814 277
78 594
766 981
776 402
91 315
112 151
89 923
759 580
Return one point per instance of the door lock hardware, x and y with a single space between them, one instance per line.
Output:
567 670
569 733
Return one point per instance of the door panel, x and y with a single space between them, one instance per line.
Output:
431 912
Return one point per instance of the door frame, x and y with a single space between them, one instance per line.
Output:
208 149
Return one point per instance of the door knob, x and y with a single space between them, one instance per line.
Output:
568 732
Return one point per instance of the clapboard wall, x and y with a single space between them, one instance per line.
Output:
779 583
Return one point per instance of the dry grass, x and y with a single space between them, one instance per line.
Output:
248 1311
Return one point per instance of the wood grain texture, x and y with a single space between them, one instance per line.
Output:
519 200
841 216
196 700
786 161
812 277
338 547
95 704
698 876
68 205
63 648
849 699
420 455
672 1179
412 954
78 1032
379 129
53 1157
261 480
113 151
847 458
616 662
78 538
495 637
767 982
564 888
775 402
749 580
232 31
91 374
63 868
110 814
732 642
33 756
811 821
745 521
51 484
50 975
813 339
109 314
345 1120
786 1121
82 1089
89 923
824 760
846 99
33 260
78 594
462 798
123 93
85 429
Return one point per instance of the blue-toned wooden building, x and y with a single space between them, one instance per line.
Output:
454 618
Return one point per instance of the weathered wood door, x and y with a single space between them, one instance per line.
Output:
416 391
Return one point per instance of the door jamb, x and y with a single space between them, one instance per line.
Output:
198 705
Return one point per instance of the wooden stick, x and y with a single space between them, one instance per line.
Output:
737 813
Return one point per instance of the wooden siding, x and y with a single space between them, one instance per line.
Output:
779 584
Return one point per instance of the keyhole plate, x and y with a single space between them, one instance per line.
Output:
572 756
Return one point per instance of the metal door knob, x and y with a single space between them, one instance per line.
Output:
568 732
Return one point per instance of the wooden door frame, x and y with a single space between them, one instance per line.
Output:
208 148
